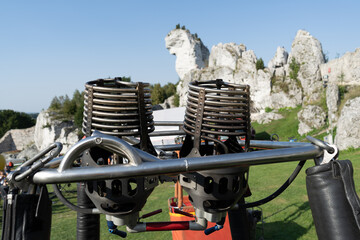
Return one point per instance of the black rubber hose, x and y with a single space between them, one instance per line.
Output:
70 205
277 192
88 225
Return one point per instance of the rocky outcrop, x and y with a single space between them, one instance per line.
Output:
306 50
265 117
344 70
226 55
49 130
332 102
28 152
310 117
190 52
280 59
168 103
348 127
17 139
269 87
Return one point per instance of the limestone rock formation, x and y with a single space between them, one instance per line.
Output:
226 55
168 103
311 117
332 102
28 152
348 127
269 87
307 51
280 59
344 70
190 52
265 117
17 139
49 130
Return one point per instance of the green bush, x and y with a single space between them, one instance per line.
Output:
294 69
260 64
159 94
176 100
267 109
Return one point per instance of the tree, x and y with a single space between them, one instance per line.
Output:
10 119
177 26
157 94
126 79
169 89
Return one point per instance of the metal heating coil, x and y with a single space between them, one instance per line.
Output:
217 109
117 108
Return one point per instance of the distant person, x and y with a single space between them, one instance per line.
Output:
9 167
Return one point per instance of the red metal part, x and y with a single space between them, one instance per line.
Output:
167 226
183 213
151 213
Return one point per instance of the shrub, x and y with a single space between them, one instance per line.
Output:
176 100
294 69
267 109
260 64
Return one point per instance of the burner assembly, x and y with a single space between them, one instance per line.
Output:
120 109
217 116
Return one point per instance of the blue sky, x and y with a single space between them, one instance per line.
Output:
51 48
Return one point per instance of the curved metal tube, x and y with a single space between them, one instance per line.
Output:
106 142
171 166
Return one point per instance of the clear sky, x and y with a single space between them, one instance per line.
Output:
51 48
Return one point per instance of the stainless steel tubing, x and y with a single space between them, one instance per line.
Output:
167 133
274 144
169 123
171 166
106 142
253 144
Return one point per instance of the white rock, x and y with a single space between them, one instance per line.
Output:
17 139
280 58
344 70
168 103
332 102
307 51
225 55
190 52
348 126
48 130
264 117
311 117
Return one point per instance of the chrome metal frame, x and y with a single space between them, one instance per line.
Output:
144 164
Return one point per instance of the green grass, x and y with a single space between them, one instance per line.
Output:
286 217
286 127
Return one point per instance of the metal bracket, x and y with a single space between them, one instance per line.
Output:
331 152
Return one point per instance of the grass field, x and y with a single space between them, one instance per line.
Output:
286 217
